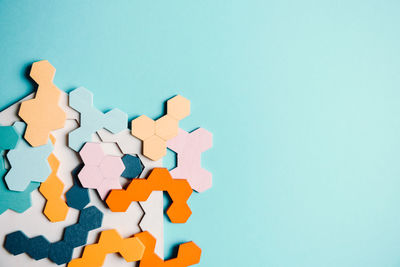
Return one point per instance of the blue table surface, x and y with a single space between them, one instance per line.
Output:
302 98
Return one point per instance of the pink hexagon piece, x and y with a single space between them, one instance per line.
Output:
189 147
100 172
112 166
92 154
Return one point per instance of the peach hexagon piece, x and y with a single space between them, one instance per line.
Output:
155 147
159 180
42 114
143 127
165 128
131 249
100 172
178 107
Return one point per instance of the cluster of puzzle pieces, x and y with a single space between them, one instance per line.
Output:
78 184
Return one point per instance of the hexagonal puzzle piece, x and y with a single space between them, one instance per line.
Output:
43 113
91 119
8 137
37 247
131 249
159 180
153 211
133 166
28 164
56 209
15 242
77 196
61 251
188 253
189 147
101 172
14 200
154 134
17 201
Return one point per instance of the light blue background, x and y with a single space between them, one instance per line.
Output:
302 97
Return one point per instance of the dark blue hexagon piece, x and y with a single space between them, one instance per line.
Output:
16 242
38 247
91 218
75 235
60 252
77 196
133 166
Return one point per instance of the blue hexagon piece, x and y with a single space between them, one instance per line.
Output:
16 242
133 166
77 196
75 235
25 157
91 119
8 137
16 201
60 252
91 218
38 248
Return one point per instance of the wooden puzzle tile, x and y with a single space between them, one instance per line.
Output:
131 249
189 147
91 119
159 180
154 134
42 114
188 253
56 209
100 172
28 164
59 252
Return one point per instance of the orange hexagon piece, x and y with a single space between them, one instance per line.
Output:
56 209
131 249
188 253
42 114
159 180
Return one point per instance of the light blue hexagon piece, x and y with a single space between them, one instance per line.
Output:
91 119
28 164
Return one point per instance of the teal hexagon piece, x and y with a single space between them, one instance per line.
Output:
8 137
16 201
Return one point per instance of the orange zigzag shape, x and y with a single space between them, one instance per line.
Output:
56 209
131 249
188 254
159 180
42 114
